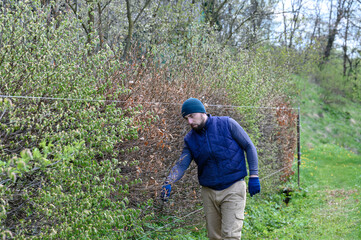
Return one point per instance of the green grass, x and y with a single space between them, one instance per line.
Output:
333 177
331 164
328 206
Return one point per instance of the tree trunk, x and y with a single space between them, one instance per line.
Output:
90 20
284 24
130 30
333 29
345 45
100 26
131 24
295 21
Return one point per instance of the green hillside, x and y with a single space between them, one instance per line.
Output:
329 118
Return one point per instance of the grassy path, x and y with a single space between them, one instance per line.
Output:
330 173
327 207
332 176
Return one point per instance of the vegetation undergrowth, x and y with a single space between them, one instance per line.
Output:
336 84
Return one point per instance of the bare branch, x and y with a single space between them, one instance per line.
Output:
220 7
2 115
106 5
142 10
77 16
236 14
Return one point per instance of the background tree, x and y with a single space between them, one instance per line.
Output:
341 9
291 25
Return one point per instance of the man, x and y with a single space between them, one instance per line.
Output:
217 145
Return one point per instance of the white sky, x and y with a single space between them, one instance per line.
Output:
309 10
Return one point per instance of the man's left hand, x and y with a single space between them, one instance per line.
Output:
254 186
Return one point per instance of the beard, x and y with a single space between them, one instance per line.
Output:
200 126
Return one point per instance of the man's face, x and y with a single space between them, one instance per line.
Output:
196 120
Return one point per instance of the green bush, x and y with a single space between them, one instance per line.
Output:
60 159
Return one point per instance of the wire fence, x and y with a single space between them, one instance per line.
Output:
137 102
158 144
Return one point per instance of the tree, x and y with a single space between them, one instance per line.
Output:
292 25
131 24
316 28
243 23
346 59
334 25
88 24
212 11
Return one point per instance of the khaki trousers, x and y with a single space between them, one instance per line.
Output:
224 211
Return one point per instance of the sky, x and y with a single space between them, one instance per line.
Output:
308 11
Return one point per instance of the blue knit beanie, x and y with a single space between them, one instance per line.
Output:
192 105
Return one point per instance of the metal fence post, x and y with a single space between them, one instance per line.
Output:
298 146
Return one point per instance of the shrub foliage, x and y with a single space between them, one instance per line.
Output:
86 157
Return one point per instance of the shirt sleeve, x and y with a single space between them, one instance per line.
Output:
242 138
181 166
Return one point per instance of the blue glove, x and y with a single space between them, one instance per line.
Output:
165 193
254 186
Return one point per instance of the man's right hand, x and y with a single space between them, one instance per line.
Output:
165 193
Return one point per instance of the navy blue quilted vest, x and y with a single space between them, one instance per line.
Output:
221 161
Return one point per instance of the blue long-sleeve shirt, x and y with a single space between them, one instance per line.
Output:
238 134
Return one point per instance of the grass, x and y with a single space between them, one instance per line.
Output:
331 176
329 118
331 164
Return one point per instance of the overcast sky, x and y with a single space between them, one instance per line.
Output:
308 11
